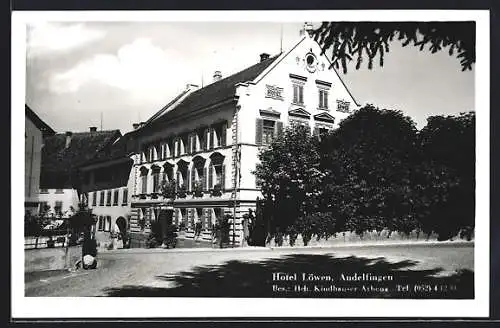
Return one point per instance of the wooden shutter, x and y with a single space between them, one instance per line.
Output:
205 139
210 177
223 178
301 94
223 134
259 125
192 174
279 128
211 138
204 180
295 94
325 99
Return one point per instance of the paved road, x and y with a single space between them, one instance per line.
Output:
242 272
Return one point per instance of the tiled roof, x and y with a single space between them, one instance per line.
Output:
120 149
39 123
215 92
58 161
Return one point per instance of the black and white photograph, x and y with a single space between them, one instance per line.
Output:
220 164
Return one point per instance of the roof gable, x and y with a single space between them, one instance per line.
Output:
39 123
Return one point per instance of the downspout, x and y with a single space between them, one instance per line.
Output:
236 167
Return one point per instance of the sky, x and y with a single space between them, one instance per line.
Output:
124 72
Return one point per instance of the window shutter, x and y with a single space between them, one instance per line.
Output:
223 135
279 128
210 177
223 178
211 138
301 94
204 180
192 174
259 125
295 93
325 99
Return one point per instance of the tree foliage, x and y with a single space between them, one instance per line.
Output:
370 40
375 172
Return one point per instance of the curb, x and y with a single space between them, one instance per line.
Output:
288 248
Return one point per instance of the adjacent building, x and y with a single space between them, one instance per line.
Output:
204 144
35 130
63 153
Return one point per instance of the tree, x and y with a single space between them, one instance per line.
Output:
371 39
289 176
368 162
448 189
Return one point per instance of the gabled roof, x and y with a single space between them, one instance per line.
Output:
60 163
214 93
39 123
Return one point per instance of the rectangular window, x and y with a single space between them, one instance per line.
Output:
43 207
108 198
44 191
101 198
323 99
125 197
107 228
268 132
59 191
144 184
298 94
94 198
274 92
156 181
115 197
58 208
101 223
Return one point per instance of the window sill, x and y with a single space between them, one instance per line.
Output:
298 104
324 108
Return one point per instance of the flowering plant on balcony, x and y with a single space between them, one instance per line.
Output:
217 190
181 191
197 189
167 189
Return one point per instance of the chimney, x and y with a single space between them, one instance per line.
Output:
68 138
263 56
135 126
142 124
192 86
93 129
308 27
217 76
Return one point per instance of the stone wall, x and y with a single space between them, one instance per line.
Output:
51 258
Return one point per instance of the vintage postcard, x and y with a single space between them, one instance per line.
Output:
251 164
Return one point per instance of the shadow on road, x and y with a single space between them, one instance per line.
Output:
255 279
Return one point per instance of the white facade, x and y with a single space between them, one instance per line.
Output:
63 198
296 88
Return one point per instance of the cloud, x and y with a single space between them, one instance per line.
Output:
46 38
141 68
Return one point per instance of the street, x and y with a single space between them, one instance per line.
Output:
447 269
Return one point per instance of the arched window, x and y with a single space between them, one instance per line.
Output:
216 173
182 173
144 180
198 174
155 172
168 172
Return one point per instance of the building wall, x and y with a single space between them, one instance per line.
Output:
68 197
254 101
32 161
